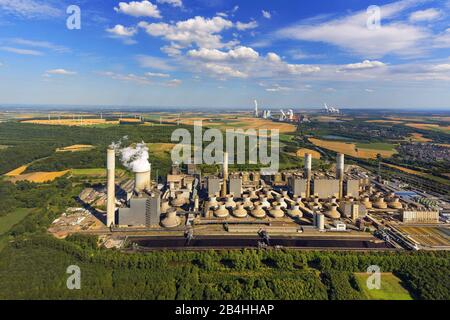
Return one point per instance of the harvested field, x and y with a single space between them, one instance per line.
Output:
301 153
158 148
427 126
385 121
75 148
17 171
234 122
350 149
418 137
406 170
444 145
39 177
428 236
71 122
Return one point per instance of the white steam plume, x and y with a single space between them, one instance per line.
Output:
133 158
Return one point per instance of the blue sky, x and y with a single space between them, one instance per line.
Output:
224 53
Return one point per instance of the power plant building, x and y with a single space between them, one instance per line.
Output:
326 188
213 186
299 187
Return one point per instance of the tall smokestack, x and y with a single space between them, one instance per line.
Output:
308 166
111 187
225 174
340 164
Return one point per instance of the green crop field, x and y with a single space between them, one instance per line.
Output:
12 218
391 288
376 146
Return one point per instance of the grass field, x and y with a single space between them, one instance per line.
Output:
351 149
376 146
11 219
391 288
3 147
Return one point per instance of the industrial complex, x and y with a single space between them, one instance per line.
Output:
344 205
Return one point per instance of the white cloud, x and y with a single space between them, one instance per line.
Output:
425 15
351 33
266 14
153 63
139 9
246 26
239 53
225 71
126 77
441 67
174 3
157 75
366 64
121 31
173 50
277 64
273 57
40 44
442 40
278 88
174 83
30 9
369 90
60 72
22 51
200 31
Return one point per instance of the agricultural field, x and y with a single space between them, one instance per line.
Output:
38 177
370 151
233 122
391 288
427 126
418 137
301 153
12 218
3 147
76 148
16 172
72 122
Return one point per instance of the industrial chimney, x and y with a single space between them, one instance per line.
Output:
225 174
111 187
308 165
340 173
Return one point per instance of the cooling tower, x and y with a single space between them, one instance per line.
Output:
308 166
111 187
142 181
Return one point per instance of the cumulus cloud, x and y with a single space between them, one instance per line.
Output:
21 51
139 9
366 64
174 83
266 14
277 64
173 3
239 53
425 15
199 30
121 31
226 71
246 26
351 32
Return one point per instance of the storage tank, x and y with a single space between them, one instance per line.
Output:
395 203
295 212
320 221
380 203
